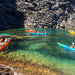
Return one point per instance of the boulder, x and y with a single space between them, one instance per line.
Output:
37 46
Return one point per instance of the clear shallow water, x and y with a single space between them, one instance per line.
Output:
44 50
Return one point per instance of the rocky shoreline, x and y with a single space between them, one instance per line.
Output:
39 14
5 70
25 69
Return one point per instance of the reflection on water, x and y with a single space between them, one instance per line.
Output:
44 50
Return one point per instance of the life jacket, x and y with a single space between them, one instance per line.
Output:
1 39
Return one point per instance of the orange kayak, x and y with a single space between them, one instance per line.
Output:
33 31
4 44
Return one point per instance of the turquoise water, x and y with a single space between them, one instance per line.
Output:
43 50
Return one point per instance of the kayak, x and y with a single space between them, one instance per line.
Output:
33 31
66 47
5 43
72 32
39 33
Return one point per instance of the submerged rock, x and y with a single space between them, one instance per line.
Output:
37 46
6 70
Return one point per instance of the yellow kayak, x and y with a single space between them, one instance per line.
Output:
72 32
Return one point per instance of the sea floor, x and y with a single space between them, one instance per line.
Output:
27 68
24 63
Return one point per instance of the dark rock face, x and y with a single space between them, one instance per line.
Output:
9 16
47 13
72 1
37 13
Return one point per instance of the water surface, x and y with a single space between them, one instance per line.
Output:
43 50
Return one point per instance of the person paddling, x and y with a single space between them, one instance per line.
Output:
72 44
1 40
38 33
6 39
2 43
45 33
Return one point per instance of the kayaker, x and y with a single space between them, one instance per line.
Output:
2 43
72 30
72 44
45 33
6 39
38 33
1 40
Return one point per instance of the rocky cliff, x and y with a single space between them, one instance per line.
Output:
37 13
9 16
